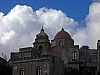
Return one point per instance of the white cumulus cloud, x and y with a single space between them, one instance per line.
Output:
6 36
90 34
19 27
93 23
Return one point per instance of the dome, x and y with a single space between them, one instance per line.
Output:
62 35
42 34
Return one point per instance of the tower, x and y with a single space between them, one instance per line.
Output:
42 43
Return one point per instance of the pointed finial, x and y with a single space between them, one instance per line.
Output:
62 29
42 30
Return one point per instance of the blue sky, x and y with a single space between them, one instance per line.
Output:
77 9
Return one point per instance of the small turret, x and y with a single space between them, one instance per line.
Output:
42 42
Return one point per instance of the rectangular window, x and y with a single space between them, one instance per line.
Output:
21 71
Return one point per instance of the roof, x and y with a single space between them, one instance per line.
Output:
62 35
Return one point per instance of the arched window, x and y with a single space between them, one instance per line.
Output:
61 43
38 70
40 48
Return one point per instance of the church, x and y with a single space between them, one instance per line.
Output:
55 57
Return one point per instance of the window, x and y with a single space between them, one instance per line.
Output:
40 49
38 70
61 43
74 55
45 71
26 54
21 72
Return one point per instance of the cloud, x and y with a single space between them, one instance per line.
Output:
90 34
93 23
19 27
54 19
81 37
7 36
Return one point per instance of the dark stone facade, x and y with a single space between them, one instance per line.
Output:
56 57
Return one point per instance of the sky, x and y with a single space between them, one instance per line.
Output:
21 20
75 9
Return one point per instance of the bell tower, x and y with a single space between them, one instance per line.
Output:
42 43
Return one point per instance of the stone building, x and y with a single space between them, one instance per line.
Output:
56 57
